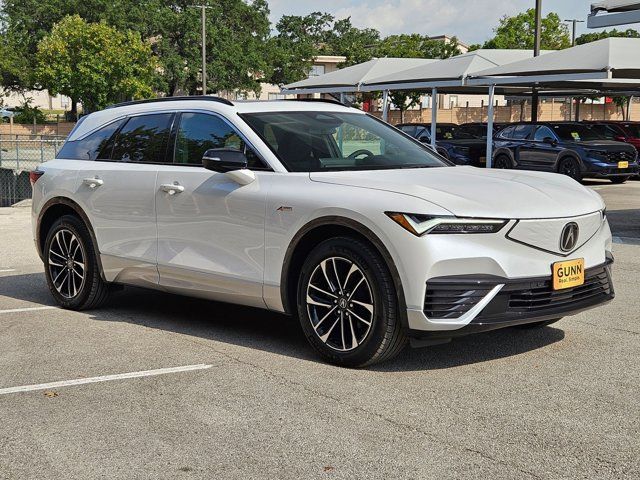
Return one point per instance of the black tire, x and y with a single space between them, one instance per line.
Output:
570 167
502 162
619 180
91 291
380 340
540 324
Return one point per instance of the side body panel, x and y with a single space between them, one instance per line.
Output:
211 235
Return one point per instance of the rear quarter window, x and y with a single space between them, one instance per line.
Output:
92 147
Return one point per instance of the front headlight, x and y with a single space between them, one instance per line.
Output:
424 224
597 154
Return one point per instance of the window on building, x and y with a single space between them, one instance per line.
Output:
316 70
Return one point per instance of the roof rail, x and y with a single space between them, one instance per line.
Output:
173 99
321 100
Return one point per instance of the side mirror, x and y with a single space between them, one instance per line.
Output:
621 138
550 141
224 160
424 139
230 161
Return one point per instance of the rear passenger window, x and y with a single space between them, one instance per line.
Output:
93 146
521 132
143 139
200 132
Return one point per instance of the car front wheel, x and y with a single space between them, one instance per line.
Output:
71 266
347 304
571 168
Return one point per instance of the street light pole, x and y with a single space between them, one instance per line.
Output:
203 9
574 22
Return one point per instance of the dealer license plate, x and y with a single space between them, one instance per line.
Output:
623 164
568 274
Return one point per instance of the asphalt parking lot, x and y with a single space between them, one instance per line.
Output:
253 401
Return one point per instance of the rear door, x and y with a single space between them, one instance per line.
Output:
210 229
523 146
117 192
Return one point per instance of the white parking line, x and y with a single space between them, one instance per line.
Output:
105 378
7 270
27 309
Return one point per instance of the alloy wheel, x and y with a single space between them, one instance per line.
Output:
340 304
67 263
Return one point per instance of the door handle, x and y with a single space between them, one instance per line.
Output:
92 182
171 188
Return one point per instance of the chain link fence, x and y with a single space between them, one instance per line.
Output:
19 154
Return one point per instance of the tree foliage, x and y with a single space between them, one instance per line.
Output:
94 63
519 32
592 37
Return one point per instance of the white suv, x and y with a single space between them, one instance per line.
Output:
317 210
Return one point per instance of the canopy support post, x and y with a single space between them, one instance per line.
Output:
434 116
343 97
385 105
492 91
629 108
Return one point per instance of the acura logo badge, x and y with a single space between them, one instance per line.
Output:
569 237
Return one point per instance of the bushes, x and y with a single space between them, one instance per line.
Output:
26 113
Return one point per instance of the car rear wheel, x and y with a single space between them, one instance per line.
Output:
503 162
571 168
347 304
71 266
619 180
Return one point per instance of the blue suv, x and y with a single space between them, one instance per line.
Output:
575 149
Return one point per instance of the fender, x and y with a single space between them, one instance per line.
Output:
504 151
52 202
568 153
344 222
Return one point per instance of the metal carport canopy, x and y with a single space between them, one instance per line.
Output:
611 64
610 13
350 79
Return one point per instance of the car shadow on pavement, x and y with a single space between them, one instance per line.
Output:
273 332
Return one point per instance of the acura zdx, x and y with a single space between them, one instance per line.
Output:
317 210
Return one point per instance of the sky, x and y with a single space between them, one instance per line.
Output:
472 21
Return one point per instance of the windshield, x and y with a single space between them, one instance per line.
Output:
330 141
577 133
633 129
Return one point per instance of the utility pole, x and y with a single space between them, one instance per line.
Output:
536 53
574 22
203 9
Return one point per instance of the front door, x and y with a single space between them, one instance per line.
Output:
210 228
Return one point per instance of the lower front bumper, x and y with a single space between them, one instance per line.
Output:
608 171
516 302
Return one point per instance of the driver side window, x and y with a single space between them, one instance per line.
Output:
542 133
199 132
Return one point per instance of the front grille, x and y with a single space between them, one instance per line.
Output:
449 300
452 297
623 156
540 298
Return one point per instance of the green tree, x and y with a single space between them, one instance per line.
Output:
592 37
94 63
356 44
519 32
237 32
297 42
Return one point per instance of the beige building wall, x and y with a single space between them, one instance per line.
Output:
39 98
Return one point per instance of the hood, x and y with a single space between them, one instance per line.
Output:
479 192
605 145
